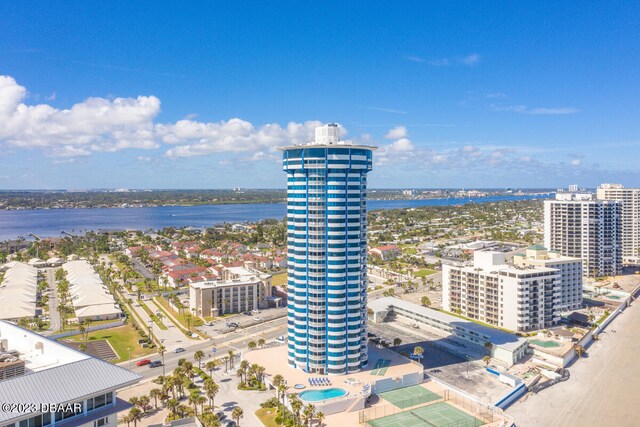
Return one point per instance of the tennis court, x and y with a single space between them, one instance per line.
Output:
439 414
410 396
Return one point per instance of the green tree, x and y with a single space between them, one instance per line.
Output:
425 301
237 414
198 357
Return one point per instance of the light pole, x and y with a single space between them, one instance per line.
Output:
467 357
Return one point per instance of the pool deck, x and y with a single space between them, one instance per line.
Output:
274 360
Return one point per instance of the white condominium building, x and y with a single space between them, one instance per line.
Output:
630 199
240 289
570 272
578 225
518 298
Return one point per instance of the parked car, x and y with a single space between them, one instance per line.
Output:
143 362
280 338
178 350
221 415
257 319
155 364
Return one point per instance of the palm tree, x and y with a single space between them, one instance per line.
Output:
237 414
320 417
173 404
486 360
198 356
162 350
296 406
82 347
579 350
127 419
425 301
210 366
143 402
259 371
136 415
211 389
231 355
397 342
417 351
282 389
199 400
226 362
210 419
251 345
154 394
308 414
261 342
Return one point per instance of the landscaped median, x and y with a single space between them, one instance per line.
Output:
177 318
153 316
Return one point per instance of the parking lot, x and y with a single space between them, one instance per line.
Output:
243 320
469 376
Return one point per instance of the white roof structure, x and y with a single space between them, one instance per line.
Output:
90 297
18 291
54 374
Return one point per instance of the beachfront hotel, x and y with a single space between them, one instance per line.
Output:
327 253
578 225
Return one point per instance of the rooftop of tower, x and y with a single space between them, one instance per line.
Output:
328 136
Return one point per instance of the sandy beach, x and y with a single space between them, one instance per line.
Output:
604 386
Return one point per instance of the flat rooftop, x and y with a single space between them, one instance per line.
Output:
495 336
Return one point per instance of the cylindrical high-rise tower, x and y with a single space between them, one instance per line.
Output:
327 253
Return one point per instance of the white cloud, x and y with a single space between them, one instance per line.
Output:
576 162
397 133
96 124
534 111
235 135
471 59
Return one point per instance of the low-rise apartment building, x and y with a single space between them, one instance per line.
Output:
239 289
518 298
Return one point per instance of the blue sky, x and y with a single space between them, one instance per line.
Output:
200 94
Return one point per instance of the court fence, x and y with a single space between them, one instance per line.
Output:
482 415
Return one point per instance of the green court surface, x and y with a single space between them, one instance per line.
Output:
410 396
437 415
546 344
381 367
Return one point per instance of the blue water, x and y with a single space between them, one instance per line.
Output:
324 394
51 222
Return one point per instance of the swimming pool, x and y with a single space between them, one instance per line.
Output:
324 394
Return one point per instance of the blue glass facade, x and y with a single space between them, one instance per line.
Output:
327 256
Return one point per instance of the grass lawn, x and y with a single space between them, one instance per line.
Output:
279 279
120 338
267 416
423 273
195 321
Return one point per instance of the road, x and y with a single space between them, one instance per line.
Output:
603 388
236 341
53 300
